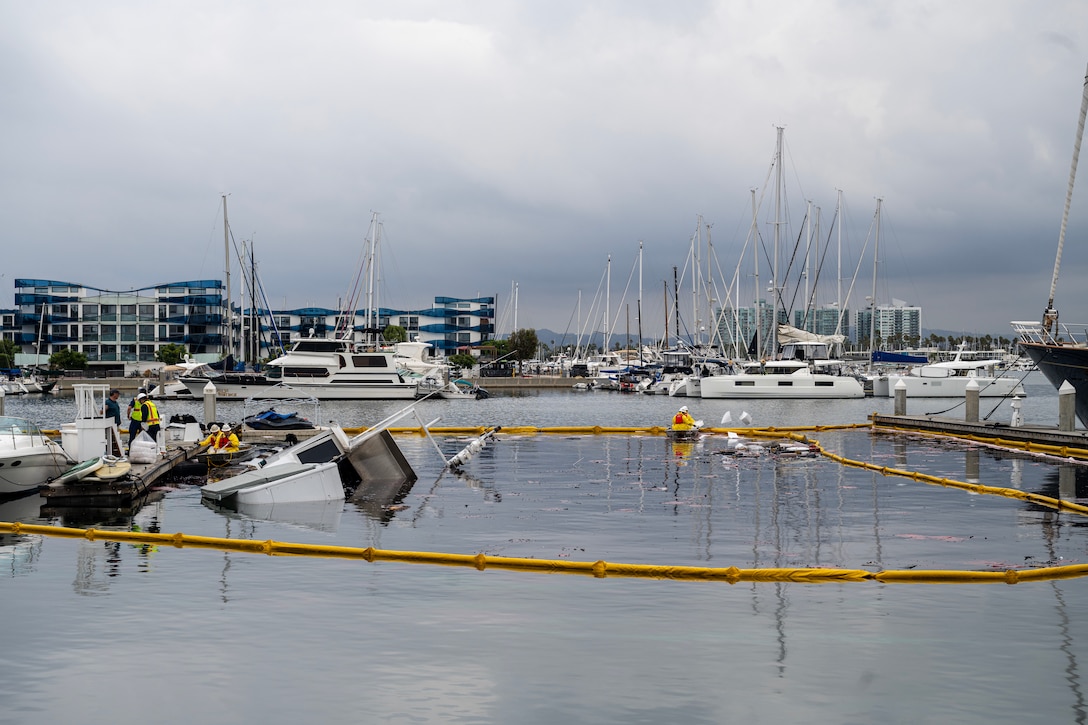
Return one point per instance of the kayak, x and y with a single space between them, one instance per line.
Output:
80 470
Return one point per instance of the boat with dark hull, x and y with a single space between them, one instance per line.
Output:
1061 358
1060 351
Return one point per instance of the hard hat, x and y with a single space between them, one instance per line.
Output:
214 428
683 408
225 428
141 396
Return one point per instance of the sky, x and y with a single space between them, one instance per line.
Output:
527 149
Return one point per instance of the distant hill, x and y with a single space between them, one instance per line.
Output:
554 339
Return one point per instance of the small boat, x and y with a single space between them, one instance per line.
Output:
225 456
685 434
80 470
112 469
460 389
271 420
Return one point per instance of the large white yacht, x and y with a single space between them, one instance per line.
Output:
317 367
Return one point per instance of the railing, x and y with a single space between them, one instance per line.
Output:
1066 334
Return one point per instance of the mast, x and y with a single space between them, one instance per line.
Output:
838 274
759 307
607 304
226 267
638 308
872 308
1050 315
777 234
676 303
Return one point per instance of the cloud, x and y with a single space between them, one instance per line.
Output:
519 142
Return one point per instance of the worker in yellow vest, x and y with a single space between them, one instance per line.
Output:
135 417
149 416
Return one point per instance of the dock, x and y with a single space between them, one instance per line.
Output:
1024 436
97 493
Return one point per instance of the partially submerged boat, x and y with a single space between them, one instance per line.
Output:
320 468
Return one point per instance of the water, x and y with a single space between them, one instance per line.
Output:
120 633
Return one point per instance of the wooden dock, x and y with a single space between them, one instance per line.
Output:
97 493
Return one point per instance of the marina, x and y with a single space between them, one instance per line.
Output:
579 482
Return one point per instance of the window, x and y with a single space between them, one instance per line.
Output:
147 333
90 312
90 332
109 333
128 353
91 351
147 313
147 352
128 334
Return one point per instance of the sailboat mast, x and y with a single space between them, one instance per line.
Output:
838 274
872 308
777 234
755 248
638 311
607 304
1050 317
226 267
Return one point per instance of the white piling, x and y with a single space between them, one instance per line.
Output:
971 401
1017 414
900 398
1067 407
209 403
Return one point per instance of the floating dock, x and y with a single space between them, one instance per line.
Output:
95 492
1024 437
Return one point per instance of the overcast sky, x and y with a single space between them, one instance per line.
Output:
523 143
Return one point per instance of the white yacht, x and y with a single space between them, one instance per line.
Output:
949 379
317 367
803 370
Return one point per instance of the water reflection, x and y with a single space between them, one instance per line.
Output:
315 515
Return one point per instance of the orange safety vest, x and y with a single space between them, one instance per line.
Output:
152 415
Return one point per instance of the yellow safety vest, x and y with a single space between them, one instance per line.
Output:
137 412
152 413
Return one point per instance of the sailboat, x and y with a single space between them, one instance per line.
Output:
1061 350
802 368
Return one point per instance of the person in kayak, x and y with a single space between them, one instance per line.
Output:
683 420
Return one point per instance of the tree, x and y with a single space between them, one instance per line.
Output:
395 333
171 354
462 360
523 344
8 350
68 360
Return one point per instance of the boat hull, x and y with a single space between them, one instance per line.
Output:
816 386
1062 363
322 391
951 387
23 471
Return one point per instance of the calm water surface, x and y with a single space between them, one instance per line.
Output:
116 633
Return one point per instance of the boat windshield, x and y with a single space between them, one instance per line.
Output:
18 426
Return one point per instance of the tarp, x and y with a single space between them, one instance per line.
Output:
879 356
789 333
